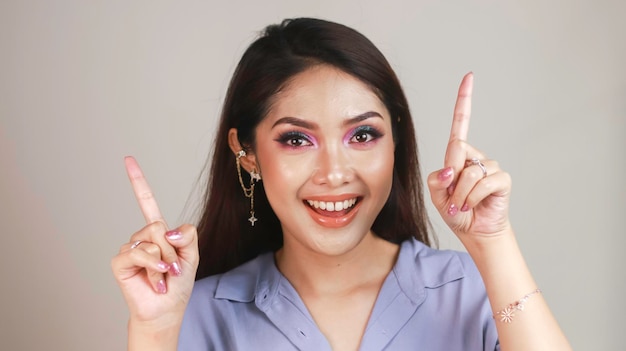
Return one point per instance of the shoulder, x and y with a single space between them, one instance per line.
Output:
438 275
435 267
217 301
450 295
239 284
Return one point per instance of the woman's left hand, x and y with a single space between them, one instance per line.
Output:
471 192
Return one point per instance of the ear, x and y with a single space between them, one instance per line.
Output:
248 162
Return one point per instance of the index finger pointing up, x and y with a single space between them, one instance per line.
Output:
143 193
462 109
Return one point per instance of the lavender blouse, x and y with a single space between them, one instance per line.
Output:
431 300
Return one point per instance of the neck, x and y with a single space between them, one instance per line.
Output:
317 274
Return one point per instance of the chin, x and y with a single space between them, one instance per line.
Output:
339 242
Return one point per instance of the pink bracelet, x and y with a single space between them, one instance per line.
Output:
507 314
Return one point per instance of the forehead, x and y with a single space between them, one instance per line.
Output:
325 89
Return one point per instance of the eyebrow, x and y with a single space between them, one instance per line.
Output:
311 125
361 117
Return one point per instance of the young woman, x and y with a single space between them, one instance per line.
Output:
314 234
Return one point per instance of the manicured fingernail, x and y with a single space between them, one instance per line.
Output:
451 189
464 208
174 235
452 210
175 269
163 266
161 288
445 173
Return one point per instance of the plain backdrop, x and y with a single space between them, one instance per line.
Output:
84 83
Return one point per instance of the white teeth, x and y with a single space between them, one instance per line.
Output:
332 206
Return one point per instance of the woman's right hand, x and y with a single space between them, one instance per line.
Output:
156 268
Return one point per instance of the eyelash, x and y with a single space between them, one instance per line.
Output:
288 138
370 132
295 139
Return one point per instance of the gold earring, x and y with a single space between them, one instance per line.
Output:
248 191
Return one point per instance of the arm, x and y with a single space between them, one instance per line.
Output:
507 280
472 195
152 336
155 271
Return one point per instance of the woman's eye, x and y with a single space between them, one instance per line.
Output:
294 139
365 134
295 142
361 138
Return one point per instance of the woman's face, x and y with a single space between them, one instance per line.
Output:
326 155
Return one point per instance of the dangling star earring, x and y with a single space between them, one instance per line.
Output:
254 175
248 191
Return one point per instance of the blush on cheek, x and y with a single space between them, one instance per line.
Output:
380 170
375 165
282 175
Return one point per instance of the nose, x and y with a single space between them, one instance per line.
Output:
334 167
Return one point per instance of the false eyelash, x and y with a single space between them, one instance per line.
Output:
285 137
365 129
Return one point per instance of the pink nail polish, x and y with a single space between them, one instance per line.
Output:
161 287
452 210
174 235
445 173
162 266
464 208
175 269
451 189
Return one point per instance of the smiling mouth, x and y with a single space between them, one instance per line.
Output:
332 208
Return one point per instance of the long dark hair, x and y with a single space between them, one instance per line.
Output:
226 238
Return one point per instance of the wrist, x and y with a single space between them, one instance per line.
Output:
159 334
486 243
501 264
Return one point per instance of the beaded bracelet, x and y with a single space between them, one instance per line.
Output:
507 314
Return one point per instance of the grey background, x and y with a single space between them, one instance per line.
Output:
84 83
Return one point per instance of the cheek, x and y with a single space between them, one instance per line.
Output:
378 169
283 178
281 175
